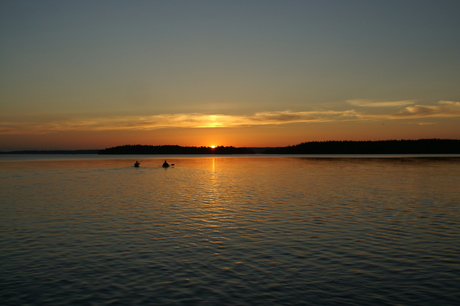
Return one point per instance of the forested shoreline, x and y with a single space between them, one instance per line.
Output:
420 146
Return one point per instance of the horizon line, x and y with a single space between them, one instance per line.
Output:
201 146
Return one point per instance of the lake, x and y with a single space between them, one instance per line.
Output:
230 230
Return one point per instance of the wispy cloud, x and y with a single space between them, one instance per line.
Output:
197 120
373 103
191 120
442 109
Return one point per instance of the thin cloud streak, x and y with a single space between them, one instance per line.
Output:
372 103
197 120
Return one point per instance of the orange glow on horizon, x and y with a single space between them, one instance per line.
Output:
253 136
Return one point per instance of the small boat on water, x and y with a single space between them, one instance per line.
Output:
136 164
165 165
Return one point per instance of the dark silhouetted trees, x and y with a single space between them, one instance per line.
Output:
421 146
173 149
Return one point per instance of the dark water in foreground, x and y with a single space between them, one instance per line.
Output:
230 231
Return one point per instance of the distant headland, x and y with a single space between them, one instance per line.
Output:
52 152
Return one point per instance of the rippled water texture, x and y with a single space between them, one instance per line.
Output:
231 231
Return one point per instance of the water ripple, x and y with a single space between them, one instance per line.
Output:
232 231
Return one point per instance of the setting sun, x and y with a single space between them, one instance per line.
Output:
213 147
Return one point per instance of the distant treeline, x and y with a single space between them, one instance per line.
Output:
174 149
421 146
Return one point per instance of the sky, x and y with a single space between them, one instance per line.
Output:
95 74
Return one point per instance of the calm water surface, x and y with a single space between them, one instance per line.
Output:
230 231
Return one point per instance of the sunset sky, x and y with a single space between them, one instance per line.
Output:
94 74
